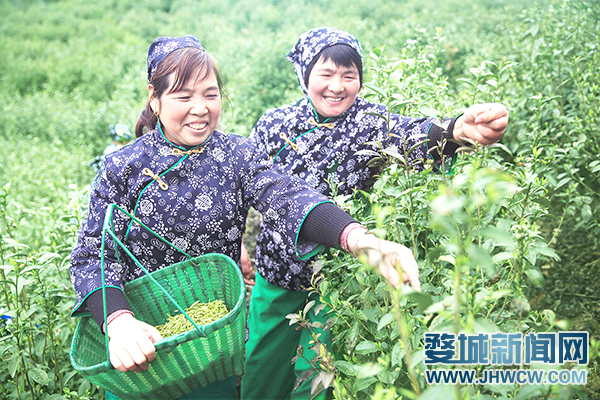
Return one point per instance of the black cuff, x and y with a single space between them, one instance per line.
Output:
115 300
324 224
441 141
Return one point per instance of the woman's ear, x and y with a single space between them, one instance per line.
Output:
154 103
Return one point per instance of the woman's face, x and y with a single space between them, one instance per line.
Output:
190 115
332 89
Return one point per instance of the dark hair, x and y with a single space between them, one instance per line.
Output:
342 55
182 64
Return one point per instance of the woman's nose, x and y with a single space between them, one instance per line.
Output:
198 107
336 84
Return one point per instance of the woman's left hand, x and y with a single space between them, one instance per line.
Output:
483 123
386 257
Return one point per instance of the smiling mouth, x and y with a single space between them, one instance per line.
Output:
334 99
198 127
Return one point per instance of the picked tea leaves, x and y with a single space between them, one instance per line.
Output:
200 313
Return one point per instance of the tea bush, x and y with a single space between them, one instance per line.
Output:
481 233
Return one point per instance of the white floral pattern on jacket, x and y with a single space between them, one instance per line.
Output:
326 158
203 210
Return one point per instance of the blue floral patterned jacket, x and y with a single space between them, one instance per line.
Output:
326 158
196 198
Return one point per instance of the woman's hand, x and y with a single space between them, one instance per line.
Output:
392 260
131 344
483 123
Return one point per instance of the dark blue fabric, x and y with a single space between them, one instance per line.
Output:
201 210
165 45
333 160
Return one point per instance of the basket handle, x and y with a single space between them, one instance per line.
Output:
108 229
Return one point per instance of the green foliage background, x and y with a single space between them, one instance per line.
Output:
71 68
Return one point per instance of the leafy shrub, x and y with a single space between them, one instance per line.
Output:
36 296
478 234
71 68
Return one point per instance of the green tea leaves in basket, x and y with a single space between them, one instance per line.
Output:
200 313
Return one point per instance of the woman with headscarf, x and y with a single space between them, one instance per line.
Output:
193 185
317 139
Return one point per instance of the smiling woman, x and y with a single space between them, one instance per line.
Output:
190 114
332 89
185 91
320 139
334 79
193 185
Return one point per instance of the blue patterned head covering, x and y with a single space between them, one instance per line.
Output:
311 43
165 45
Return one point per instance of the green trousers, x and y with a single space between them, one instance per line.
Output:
272 343
220 390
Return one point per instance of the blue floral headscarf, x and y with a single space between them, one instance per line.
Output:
165 45
311 43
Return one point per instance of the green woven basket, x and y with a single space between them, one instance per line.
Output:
183 362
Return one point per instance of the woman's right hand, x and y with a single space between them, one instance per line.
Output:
131 344
394 261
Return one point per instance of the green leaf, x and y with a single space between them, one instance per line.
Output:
423 300
320 308
316 386
38 375
347 368
363 384
501 237
482 325
368 370
303 377
307 307
326 378
448 258
503 256
437 392
479 257
535 276
543 201
373 314
467 81
45 257
70 375
352 336
398 353
393 152
366 347
417 358
13 363
548 252
492 296
376 89
385 321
